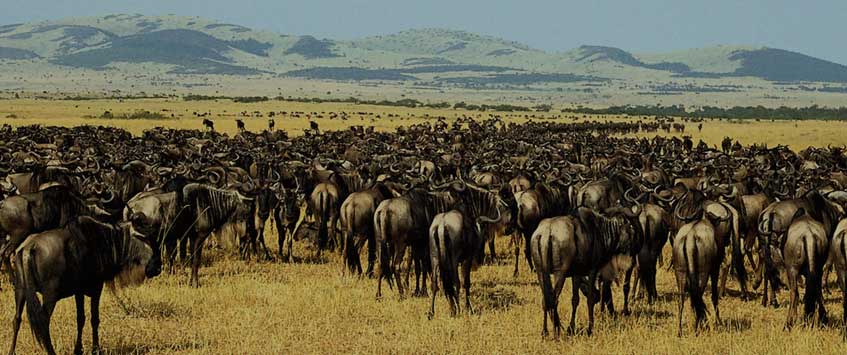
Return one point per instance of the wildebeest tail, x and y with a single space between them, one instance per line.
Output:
323 228
544 279
27 278
813 280
690 252
445 266
737 252
351 254
382 221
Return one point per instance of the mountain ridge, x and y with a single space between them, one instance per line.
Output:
200 46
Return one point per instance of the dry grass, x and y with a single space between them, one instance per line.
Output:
275 308
270 307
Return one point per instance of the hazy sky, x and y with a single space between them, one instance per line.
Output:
814 27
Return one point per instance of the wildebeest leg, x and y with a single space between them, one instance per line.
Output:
399 252
371 254
492 259
724 274
196 256
261 238
527 252
626 282
382 260
636 282
574 304
466 277
592 277
680 286
793 296
280 232
16 321
48 307
434 285
607 301
546 295
95 319
333 231
557 290
842 278
715 296
517 242
80 321
171 250
183 251
289 232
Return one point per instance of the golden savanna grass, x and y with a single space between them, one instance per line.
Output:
309 307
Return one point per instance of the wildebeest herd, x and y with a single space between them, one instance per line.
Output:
86 206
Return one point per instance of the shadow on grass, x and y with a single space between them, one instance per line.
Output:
494 297
733 325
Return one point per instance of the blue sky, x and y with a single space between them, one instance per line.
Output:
813 27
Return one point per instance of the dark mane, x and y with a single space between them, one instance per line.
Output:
57 201
218 204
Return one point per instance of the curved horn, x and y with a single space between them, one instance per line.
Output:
213 176
486 219
110 199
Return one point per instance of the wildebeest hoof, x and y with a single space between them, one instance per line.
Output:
570 331
429 315
775 304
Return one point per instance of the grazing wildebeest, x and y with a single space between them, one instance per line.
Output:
211 208
697 258
805 253
209 124
240 125
75 260
589 245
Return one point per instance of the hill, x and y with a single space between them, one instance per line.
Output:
432 57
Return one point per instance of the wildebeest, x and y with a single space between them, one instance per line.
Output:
211 208
75 260
457 236
401 222
29 213
357 213
805 252
697 257
582 248
544 200
838 257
